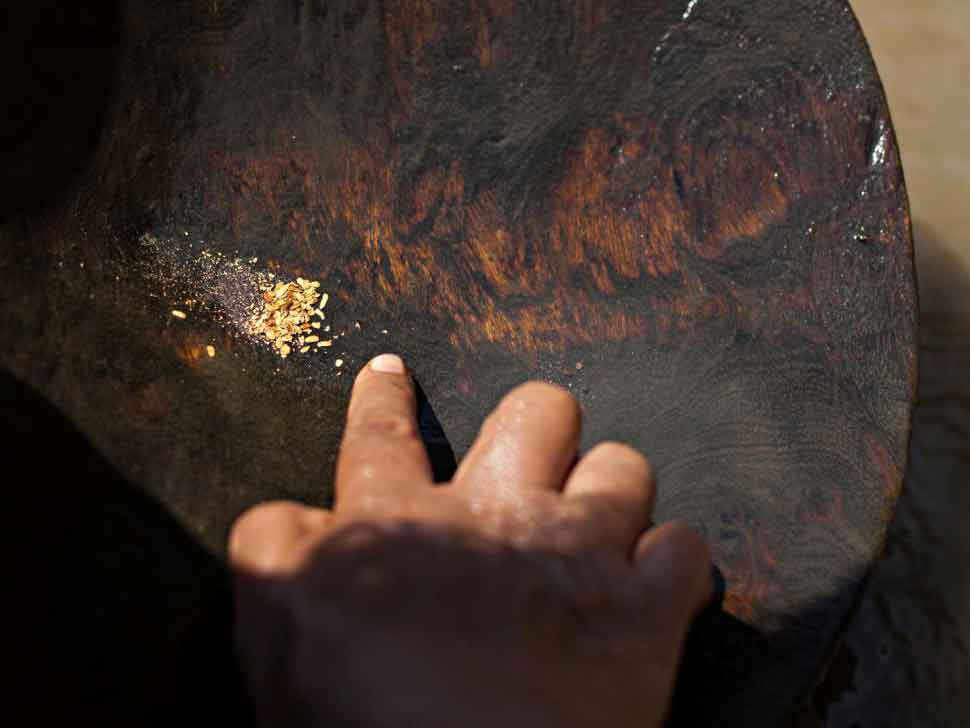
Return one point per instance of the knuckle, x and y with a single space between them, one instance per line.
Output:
385 424
569 539
575 528
572 512
603 509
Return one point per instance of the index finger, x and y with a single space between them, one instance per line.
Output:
381 451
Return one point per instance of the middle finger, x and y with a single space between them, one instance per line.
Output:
527 444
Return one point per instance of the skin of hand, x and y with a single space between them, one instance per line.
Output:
531 590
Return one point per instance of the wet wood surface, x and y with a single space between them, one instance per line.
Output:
691 214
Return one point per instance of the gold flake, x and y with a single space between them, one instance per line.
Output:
210 350
284 319
339 363
179 314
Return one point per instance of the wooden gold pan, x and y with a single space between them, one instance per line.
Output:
689 213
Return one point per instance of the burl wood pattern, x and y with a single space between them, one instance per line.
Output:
698 201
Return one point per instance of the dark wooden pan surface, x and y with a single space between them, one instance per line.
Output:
691 214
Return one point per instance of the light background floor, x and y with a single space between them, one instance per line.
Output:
906 659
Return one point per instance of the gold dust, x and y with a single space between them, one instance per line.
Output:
210 350
286 313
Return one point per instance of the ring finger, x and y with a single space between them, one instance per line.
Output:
527 444
611 491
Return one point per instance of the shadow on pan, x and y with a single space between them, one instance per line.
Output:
59 65
126 619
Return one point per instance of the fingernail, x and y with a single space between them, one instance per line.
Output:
387 363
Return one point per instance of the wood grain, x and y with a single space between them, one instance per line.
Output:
699 202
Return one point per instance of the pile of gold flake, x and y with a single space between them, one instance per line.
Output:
234 292
286 316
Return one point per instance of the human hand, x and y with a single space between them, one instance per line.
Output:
526 592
